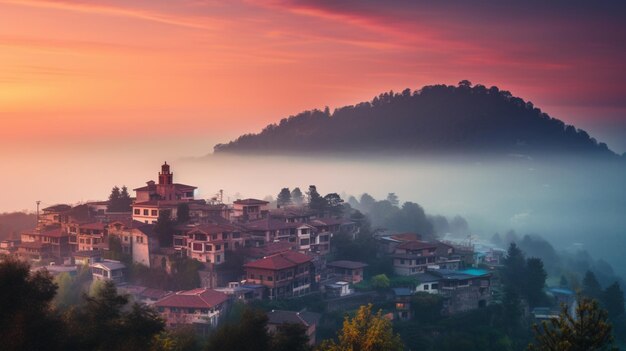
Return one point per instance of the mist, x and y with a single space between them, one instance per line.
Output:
572 202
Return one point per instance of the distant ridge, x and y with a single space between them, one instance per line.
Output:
435 119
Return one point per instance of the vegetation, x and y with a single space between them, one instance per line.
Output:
284 197
102 321
588 330
119 200
366 331
11 224
437 118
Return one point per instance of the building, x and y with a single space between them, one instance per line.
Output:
463 290
9 246
308 320
209 242
338 289
350 271
243 292
88 236
402 299
165 189
412 257
108 270
53 215
86 258
285 274
201 308
54 242
250 209
269 230
144 243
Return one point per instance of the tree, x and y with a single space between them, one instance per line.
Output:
182 213
380 282
290 337
316 201
26 319
125 201
613 300
393 199
591 287
588 330
296 197
165 228
365 332
367 202
563 283
514 269
334 204
250 334
284 197
114 199
535 281
105 322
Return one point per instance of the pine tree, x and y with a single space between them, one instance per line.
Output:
591 287
588 330
514 270
125 201
283 198
613 300
535 281
296 196
114 199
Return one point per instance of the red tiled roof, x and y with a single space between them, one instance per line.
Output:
55 233
273 224
57 208
280 261
210 228
251 202
269 249
33 245
196 298
147 229
416 245
347 264
176 186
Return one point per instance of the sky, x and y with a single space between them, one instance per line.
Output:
104 86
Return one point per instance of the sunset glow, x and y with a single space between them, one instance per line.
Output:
232 67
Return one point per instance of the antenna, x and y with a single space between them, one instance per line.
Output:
38 202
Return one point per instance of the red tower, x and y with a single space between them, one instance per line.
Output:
165 177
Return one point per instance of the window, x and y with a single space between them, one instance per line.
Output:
251 276
270 278
218 247
154 213
434 286
224 236
261 277
137 211
426 287
208 247
401 261
145 212
218 258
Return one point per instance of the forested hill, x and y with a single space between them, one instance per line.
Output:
435 119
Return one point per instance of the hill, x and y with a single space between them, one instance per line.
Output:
434 119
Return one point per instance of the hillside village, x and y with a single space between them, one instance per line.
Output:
220 254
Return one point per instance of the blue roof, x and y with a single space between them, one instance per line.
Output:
474 271
402 291
563 291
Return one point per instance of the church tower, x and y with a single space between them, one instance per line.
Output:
165 177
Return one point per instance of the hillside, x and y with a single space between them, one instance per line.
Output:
434 119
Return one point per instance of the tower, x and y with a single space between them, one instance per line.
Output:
165 176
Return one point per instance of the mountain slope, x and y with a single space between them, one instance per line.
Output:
435 119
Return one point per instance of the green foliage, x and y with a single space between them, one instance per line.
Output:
11 224
119 201
613 299
71 288
185 274
380 282
333 204
426 307
366 331
316 201
284 197
26 320
250 334
182 338
290 337
588 330
535 281
591 287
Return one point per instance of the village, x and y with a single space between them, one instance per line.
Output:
247 251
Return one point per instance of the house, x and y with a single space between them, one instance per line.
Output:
243 292
250 209
413 257
34 251
350 271
88 235
308 320
463 290
53 215
402 299
338 289
209 242
55 239
148 296
108 270
267 230
86 258
428 283
144 243
285 274
165 189
9 246
201 308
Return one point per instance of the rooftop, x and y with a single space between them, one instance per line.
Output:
305 318
196 298
250 202
347 264
279 261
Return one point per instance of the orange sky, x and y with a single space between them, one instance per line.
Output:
82 70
